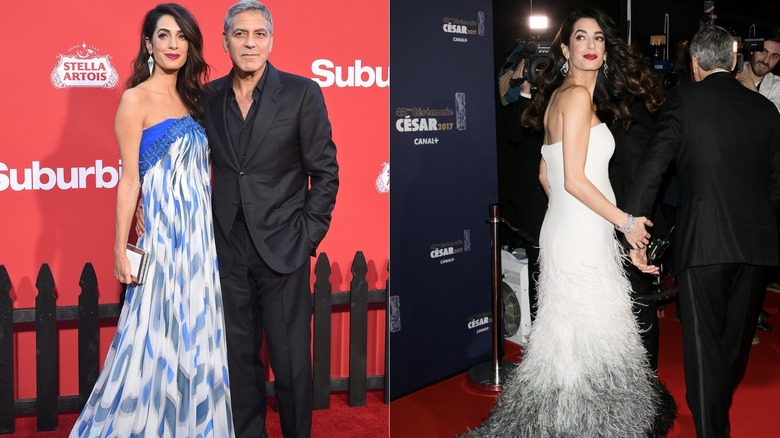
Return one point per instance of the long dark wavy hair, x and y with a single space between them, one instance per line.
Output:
629 75
194 73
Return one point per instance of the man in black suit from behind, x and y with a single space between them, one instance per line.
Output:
725 143
275 182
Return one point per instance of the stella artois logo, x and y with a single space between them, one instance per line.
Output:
82 66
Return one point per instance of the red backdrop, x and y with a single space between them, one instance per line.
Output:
56 124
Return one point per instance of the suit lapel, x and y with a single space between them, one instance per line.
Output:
270 100
219 113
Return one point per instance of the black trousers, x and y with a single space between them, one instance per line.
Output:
719 307
644 309
259 301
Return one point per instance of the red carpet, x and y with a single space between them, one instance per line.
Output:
452 406
340 421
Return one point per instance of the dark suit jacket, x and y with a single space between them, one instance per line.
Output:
287 182
725 142
630 146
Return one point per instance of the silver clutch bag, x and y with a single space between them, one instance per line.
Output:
139 263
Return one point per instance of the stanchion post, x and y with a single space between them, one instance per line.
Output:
490 376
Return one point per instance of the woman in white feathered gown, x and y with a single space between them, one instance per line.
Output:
584 372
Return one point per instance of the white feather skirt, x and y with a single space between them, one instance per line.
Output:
584 372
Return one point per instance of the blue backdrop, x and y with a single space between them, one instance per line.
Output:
443 162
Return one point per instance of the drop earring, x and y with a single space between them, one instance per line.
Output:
606 67
150 63
565 68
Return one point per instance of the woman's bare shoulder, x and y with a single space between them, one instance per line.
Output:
133 106
569 97
133 98
573 94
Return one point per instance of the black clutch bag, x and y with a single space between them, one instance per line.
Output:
657 247
139 263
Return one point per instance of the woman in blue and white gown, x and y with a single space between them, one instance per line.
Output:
166 371
584 372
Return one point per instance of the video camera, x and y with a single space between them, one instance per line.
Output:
537 57
745 49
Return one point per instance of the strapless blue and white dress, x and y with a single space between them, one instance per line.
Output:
166 372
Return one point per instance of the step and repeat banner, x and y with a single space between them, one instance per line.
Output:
64 71
443 154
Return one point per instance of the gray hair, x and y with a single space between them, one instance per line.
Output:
248 6
713 47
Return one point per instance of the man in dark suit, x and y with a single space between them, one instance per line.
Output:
275 183
630 145
725 143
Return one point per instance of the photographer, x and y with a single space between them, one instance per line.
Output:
757 73
512 83
523 202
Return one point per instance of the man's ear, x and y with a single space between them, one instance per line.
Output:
734 61
695 68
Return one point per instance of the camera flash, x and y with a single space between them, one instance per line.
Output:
538 22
